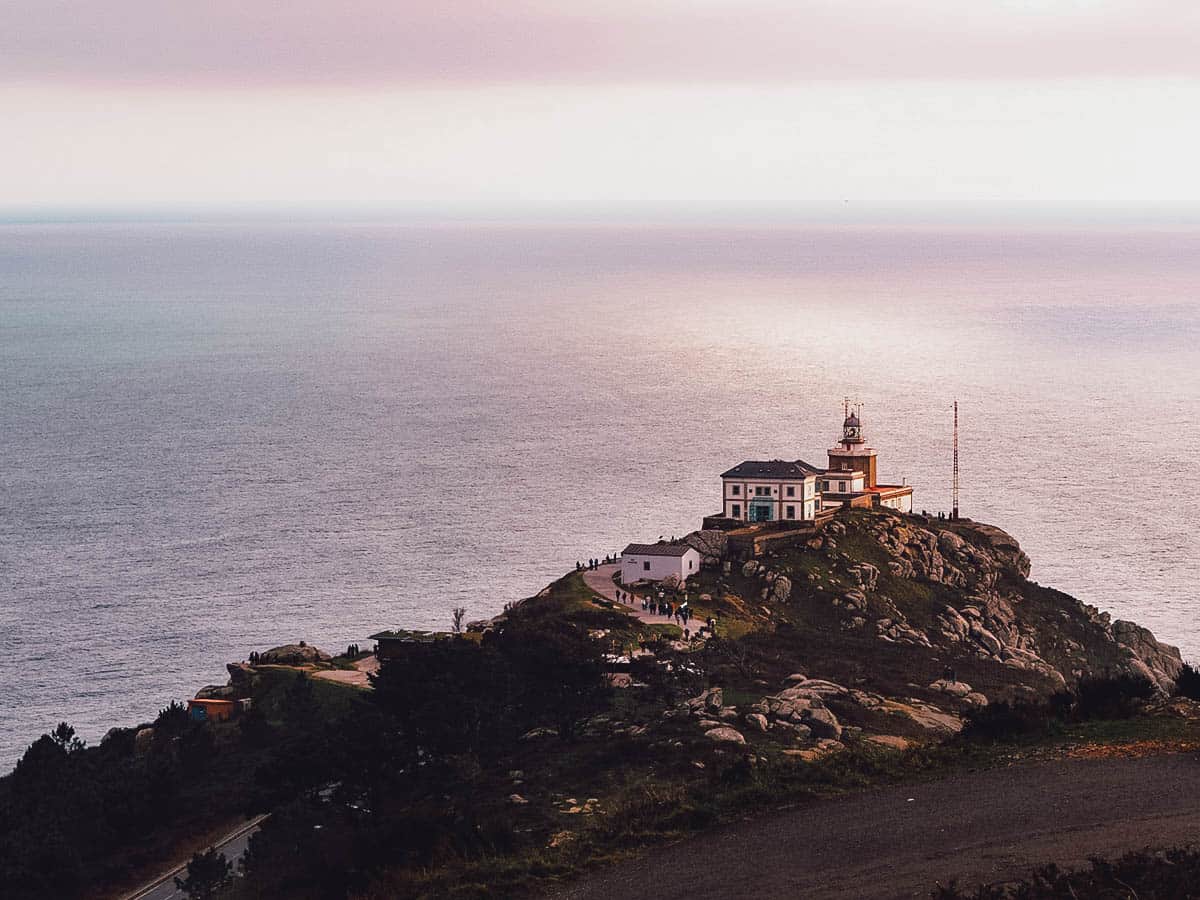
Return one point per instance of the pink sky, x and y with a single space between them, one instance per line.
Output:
576 108
383 42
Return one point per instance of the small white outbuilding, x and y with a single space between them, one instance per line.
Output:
654 562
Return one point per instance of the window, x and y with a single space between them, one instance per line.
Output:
791 491
737 490
689 564
736 511
762 492
646 566
791 512
841 487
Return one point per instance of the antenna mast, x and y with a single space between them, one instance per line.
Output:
954 508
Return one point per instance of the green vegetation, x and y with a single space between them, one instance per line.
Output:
1188 684
208 874
1112 698
77 817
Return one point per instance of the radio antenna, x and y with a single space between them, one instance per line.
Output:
954 507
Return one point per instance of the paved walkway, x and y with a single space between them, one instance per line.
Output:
600 581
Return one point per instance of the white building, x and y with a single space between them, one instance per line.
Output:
771 490
654 562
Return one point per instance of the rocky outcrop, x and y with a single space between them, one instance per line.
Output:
293 655
1145 656
994 613
723 734
799 713
711 544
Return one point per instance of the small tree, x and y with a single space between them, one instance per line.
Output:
172 718
207 874
1188 683
64 736
459 614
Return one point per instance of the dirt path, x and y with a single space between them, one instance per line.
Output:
600 581
356 676
897 842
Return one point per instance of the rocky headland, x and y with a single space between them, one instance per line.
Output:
899 626
571 728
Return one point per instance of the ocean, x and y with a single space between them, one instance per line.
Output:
220 438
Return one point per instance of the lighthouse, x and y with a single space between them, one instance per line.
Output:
852 453
852 478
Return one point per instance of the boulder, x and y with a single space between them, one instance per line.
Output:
293 655
813 687
241 677
891 741
725 735
986 639
823 724
823 748
707 703
143 740
517 800
781 589
1162 660
757 721
710 544
111 734
750 569
926 716
865 575
953 688
217 692
793 730
714 699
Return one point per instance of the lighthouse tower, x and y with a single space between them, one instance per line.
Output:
852 453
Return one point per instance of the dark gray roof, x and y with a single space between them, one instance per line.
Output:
772 468
655 550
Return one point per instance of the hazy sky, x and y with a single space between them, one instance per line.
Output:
796 108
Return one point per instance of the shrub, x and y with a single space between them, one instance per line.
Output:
172 718
1105 697
1188 683
207 874
1111 697
1001 721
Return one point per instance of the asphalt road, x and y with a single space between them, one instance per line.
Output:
897 842
232 845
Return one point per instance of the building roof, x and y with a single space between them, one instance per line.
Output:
772 468
656 550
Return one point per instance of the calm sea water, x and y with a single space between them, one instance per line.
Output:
221 438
